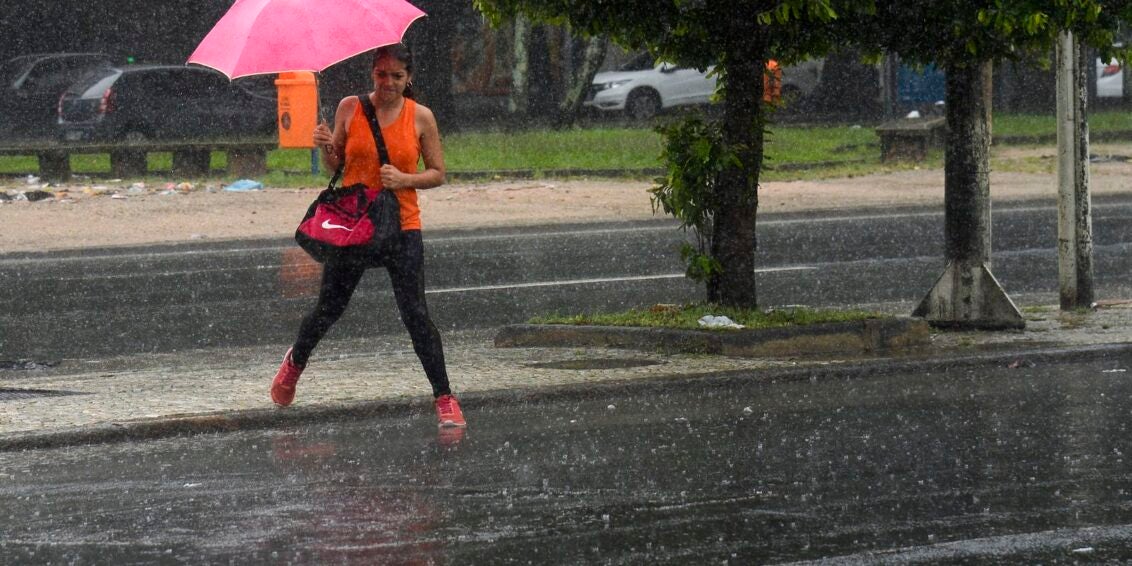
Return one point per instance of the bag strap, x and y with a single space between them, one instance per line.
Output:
378 139
375 127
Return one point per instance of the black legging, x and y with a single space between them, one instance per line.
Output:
406 272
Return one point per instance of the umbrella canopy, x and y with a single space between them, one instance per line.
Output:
258 37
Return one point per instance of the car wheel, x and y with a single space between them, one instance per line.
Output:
642 104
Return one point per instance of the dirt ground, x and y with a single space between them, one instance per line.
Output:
95 214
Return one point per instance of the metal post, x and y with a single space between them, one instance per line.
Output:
1074 214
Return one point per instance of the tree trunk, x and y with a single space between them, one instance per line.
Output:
966 185
733 235
1125 84
580 84
520 75
967 295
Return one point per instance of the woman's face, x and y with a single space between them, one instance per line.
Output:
389 78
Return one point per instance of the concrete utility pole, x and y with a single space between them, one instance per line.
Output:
1074 209
967 295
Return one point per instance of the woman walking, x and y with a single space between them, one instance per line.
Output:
411 135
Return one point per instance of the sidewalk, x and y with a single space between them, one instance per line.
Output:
200 391
149 396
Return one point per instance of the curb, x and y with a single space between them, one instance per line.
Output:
216 422
867 336
253 419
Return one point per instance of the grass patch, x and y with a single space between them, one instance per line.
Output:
820 144
839 150
1035 125
793 152
540 150
688 316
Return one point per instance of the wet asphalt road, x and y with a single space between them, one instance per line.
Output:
925 465
168 298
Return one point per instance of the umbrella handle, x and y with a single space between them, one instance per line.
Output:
318 97
321 111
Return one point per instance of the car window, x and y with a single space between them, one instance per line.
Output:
75 65
45 75
86 80
202 84
94 82
54 75
151 84
642 62
130 86
13 69
137 82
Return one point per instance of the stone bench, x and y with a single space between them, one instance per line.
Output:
246 158
911 138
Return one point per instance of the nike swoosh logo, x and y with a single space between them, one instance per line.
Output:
326 225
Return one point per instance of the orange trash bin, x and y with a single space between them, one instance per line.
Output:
298 108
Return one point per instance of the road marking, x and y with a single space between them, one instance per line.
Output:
592 281
1099 213
991 549
153 255
1106 213
560 233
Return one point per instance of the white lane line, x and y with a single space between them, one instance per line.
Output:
154 255
557 233
591 281
150 255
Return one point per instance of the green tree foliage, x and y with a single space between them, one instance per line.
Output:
695 154
959 32
738 36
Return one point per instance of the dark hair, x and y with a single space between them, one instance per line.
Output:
400 52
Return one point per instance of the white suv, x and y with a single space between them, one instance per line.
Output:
642 88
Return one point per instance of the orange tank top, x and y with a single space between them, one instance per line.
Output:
404 147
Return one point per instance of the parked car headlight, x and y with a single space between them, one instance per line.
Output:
612 84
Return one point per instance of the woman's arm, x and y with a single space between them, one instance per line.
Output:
332 145
432 153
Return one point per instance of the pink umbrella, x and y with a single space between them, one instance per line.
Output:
258 37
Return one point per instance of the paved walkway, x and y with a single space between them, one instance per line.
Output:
222 390
146 396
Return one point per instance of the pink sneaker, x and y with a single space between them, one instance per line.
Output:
448 413
450 437
283 386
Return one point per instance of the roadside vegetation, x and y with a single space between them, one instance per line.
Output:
792 153
688 316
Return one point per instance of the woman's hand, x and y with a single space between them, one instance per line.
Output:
322 136
393 178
